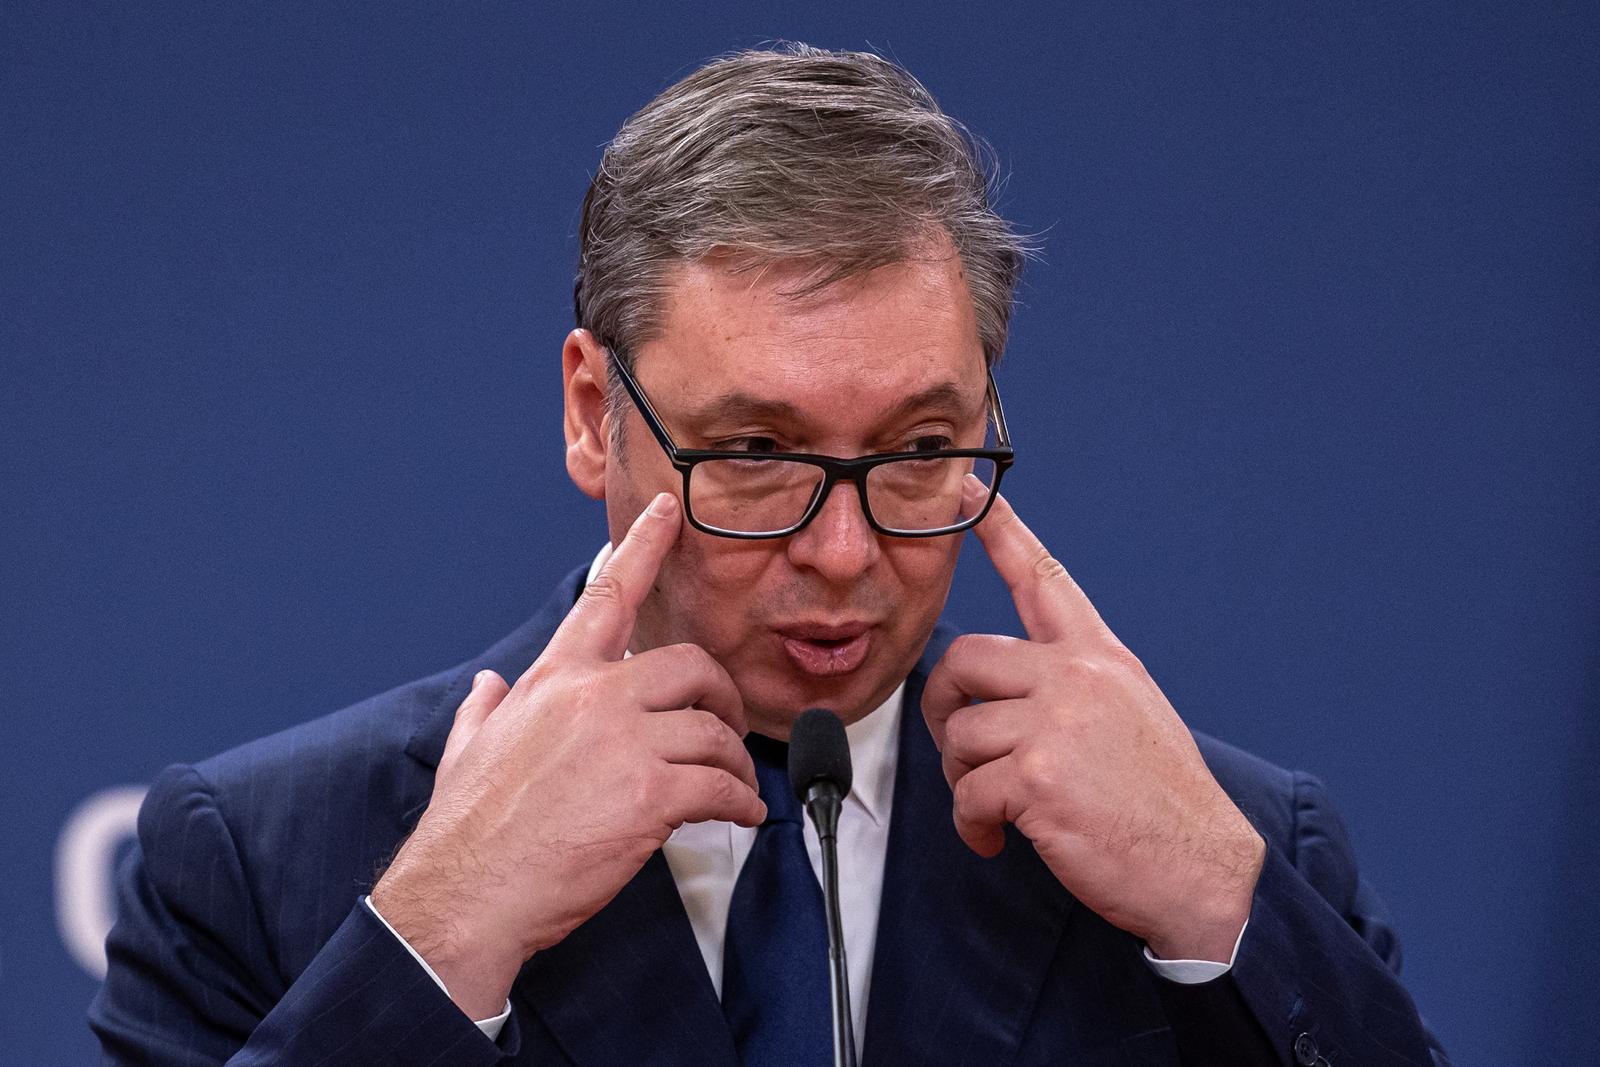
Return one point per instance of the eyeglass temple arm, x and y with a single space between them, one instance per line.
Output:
999 409
642 402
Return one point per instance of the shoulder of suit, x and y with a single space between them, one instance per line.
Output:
363 739
366 731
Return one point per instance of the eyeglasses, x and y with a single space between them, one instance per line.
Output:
755 495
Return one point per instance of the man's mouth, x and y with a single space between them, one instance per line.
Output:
825 651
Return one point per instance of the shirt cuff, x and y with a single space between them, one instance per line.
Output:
490 1027
1184 972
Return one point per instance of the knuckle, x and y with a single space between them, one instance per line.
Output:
693 657
962 645
537 675
965 793
605 587
1104 669
1083 670
722 789
565 691
711 733
1047 568
1039 771
961 792
989 648
957 734
648 792
965 648
1122 657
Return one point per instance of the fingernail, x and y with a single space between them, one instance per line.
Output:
973 489
662 505
477 680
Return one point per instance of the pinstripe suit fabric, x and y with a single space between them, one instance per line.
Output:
240 940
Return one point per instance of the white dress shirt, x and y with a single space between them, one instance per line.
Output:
705 859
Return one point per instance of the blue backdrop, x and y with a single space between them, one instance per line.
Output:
1305 391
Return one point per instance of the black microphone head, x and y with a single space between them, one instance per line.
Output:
818 750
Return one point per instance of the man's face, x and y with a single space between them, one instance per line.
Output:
835 615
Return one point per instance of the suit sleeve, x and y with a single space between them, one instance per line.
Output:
193 979
1319 964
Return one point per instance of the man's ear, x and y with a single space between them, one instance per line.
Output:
586 421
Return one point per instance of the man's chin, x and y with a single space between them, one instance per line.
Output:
772 707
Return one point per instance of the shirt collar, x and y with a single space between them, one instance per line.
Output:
600 558
873 753
872 739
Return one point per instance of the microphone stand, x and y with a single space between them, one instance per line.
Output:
822 804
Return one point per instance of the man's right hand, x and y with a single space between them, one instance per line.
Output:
552 794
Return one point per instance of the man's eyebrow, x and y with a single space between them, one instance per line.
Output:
943 398
740 407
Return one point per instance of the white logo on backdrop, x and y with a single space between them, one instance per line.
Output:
84 858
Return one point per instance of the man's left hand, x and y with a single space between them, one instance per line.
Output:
1071 740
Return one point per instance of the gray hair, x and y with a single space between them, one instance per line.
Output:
841 161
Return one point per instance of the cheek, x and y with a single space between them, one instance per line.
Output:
923 567
635 472
922 574
707 590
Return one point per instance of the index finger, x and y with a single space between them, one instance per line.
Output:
1049 602
600 624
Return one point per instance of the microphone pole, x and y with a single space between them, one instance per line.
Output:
819 772
822 804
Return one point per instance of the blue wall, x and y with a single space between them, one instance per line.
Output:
1305 390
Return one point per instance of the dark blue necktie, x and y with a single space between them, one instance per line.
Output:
775 958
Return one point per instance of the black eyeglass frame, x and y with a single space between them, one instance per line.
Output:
834 469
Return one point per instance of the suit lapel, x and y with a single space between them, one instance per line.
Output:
629 986
509 657
964 943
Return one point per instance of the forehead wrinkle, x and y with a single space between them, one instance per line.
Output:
947 398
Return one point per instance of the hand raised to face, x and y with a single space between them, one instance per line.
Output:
553 793
1066 736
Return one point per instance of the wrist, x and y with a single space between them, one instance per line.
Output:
476 972
1207 924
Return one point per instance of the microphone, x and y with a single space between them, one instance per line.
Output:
819 773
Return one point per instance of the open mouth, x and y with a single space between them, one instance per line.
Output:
831 642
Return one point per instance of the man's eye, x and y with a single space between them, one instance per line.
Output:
748 444
930 443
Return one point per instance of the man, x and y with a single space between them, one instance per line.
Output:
791 293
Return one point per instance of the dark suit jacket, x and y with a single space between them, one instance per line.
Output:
240 937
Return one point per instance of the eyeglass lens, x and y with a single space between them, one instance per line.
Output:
763 495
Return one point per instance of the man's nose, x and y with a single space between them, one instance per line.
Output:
838 544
